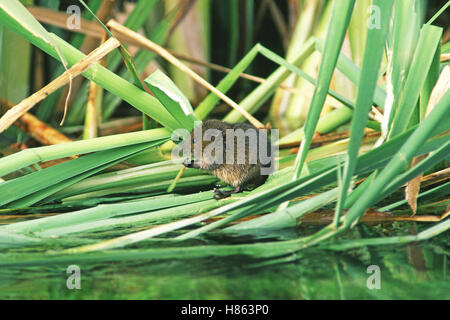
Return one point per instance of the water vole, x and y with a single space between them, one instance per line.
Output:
238 154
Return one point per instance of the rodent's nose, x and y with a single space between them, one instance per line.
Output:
187 162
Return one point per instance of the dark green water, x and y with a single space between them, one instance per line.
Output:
406 272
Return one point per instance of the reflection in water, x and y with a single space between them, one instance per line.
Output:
408 272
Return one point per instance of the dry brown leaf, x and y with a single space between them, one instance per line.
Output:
413 187
26 104
39 130
436 177
445 57
441 87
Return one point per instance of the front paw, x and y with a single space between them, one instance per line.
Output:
188 163
219 194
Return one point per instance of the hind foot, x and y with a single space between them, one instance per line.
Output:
220 194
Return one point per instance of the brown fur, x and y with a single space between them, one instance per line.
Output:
235 174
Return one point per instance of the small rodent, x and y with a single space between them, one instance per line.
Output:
210 151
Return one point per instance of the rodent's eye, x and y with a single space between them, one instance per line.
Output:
193 140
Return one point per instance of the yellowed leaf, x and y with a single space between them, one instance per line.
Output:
413 187
441 87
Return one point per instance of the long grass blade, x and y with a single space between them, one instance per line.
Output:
340 19
373 52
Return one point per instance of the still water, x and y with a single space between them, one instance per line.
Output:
415 271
